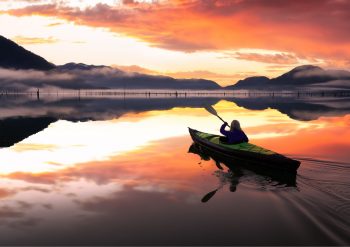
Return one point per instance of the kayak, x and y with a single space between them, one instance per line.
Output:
245 152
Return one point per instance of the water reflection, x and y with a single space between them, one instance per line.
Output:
74 108
131 181
33 115
239 169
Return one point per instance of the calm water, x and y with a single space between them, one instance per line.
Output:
121 171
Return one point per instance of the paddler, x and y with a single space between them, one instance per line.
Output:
234 135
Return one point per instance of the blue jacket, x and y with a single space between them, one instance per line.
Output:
235 136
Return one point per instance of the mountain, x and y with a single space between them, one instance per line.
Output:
14 56
79 66
309 74
99 76
251 82
142 81
305 76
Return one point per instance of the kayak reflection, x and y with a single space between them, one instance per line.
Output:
238 169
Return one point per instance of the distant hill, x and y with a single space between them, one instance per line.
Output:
16 57
79 66
251 82
99 76
142 81
306 76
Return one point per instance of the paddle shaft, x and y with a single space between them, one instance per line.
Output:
223 120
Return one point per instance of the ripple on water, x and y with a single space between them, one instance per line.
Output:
320 195
325 195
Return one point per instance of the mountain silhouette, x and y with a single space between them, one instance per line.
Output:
79 66
100 76
250 82
302 76
13 56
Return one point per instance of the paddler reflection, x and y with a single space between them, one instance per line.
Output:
230 177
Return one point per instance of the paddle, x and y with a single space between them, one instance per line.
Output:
209 195
211 110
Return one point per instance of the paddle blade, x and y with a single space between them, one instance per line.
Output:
208 196
211 110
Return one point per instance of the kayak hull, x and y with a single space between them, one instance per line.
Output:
267 159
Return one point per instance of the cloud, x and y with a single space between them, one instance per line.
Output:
335 74
136 69
89 77
9 74
29 79
34 40
312 28
279 58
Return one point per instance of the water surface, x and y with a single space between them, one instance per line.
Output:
119 171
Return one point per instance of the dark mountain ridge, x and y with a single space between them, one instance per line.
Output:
13 56
251 82
299 77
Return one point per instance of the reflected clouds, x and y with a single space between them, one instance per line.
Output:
107 200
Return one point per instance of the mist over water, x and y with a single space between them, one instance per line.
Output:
122 171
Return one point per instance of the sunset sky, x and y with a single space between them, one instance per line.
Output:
220 40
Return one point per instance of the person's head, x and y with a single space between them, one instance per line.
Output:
235 125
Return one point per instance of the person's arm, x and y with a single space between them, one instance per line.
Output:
222 129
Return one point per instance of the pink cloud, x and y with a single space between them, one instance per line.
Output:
315 28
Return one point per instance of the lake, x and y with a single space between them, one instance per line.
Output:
112 170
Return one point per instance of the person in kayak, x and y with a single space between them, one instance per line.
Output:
234 135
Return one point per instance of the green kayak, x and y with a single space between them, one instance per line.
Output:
254 154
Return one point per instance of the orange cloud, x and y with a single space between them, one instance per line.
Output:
306 28
34 41
280 58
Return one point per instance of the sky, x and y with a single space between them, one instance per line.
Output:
220 40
